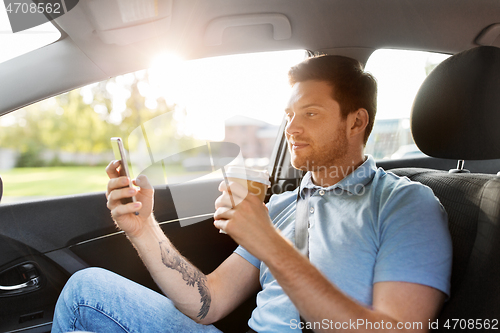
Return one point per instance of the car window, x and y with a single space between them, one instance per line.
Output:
399 74
167 116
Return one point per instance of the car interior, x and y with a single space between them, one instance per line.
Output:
454 122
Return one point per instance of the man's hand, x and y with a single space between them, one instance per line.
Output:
124 215
248 223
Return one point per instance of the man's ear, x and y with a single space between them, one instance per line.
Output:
358 120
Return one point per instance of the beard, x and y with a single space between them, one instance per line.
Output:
321 157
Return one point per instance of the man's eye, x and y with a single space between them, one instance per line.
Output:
310 114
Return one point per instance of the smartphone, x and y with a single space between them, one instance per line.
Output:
119 152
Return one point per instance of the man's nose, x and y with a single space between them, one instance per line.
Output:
293 127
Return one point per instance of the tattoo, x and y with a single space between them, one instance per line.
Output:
191 275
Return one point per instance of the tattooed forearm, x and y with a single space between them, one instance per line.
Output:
192 276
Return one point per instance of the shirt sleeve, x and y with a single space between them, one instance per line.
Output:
415 243
247 256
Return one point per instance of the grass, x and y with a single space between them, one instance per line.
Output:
53 181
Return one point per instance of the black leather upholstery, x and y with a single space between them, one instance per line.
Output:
456 114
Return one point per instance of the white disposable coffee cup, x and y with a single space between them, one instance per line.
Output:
255 181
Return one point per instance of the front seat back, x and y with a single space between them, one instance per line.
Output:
456 115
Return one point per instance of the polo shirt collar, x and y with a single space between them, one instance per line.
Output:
353 183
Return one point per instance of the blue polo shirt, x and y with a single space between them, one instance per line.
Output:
372 226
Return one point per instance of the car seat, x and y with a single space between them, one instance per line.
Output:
456 115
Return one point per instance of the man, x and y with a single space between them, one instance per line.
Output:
379 253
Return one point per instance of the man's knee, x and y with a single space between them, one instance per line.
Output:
92 273
88 280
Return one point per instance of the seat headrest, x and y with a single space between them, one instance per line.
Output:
456 112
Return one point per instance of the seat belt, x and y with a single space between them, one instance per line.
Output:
302 223
302 231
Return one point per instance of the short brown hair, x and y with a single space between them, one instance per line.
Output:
353 88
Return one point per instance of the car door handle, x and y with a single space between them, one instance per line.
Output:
31 283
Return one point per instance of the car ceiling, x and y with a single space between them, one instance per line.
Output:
96 44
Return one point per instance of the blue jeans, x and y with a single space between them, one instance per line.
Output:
97 300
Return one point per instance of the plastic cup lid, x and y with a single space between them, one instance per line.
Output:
260 176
